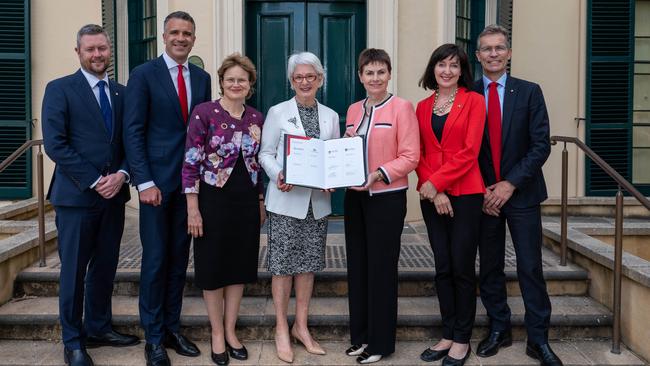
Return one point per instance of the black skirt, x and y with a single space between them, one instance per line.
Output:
227 252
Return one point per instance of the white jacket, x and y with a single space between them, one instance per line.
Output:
281 119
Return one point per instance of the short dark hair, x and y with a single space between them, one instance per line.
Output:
428 79
493 29
179 15
91 30
371 55
236 59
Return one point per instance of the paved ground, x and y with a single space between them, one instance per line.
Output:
16 353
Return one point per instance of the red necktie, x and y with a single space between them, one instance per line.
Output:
494 128
182 93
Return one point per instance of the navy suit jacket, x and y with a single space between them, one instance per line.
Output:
525 142
76 139
154 130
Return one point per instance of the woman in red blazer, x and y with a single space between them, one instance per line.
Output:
451 123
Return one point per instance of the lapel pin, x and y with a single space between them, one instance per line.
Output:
116 93
512 90
460 106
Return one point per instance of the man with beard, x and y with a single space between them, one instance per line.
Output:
82 133
161 94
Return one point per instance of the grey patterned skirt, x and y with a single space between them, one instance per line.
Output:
296 245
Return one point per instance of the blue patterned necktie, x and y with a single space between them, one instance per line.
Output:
105 106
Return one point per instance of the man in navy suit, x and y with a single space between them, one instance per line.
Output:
160 95
82 133
515 146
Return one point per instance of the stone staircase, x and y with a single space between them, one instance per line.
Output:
580 326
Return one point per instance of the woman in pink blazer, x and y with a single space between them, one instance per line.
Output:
451 189
374 213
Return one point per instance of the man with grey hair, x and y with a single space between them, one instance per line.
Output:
82 133
161 95
515 146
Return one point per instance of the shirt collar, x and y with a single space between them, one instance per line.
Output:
171 64
500 82
92 79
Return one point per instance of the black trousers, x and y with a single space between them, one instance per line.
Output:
373 229
454 241
525 225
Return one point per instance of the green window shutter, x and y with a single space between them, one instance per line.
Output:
610 57
15 97
108 22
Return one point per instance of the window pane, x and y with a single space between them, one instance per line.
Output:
642 49
642 68
641 117
641 136
641 24
641 92
641 162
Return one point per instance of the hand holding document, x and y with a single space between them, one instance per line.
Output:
324 164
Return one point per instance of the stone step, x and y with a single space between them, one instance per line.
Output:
570 280
572 353
574 317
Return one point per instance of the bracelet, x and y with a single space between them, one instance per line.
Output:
380 175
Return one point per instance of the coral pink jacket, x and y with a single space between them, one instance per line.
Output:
392 141
452 164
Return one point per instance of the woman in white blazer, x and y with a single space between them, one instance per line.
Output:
297 216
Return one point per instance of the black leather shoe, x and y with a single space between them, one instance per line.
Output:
220 358
430 355
77 357
181 345
450 361
156 355
237 353
543 353
490 345
113 339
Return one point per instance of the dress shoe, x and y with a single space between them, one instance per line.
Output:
366 358
430 355
355 349
450 361
314 349
543 353
181 345
237 353
490 345
77 357
156 355
113 339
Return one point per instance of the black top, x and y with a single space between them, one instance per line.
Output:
437 124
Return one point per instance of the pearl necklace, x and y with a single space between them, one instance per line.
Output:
441 109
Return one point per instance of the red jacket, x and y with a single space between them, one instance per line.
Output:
452 164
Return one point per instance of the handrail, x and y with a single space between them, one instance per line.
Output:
604 166
40 187
618 225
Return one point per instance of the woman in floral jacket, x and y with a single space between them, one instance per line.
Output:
225 202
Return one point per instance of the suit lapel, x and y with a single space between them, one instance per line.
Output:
168 86
194 85
88 97
116 104
456 108
509 99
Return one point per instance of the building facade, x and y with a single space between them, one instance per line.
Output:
591 58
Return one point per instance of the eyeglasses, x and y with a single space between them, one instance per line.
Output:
309 77
233 81
497 49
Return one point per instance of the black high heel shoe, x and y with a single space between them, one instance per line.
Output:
450 361
430 355
237 353
220 359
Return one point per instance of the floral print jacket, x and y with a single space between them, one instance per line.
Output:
214 142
